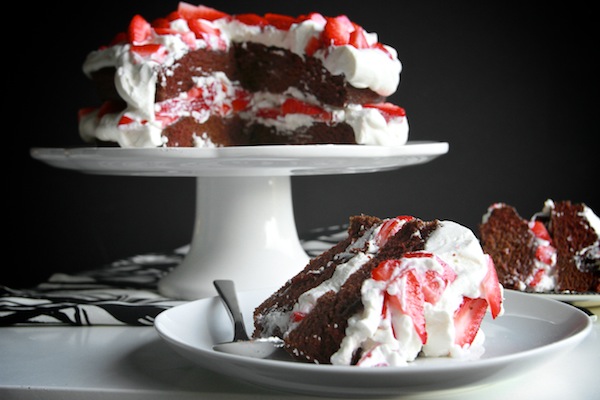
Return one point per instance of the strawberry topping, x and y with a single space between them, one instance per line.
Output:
467 320
390 227
491 288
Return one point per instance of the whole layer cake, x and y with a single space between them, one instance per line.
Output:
202 78
392 290
556 250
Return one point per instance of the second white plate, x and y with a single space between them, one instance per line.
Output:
532 330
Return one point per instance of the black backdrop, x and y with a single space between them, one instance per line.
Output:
509 86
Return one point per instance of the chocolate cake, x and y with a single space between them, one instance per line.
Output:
202 78
574 229
394 288
556 250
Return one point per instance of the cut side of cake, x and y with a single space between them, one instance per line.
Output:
199 77
556 250
392 290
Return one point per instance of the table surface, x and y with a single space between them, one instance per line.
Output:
127 362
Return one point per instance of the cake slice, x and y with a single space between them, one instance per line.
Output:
556 250
522 249
393 289
574 228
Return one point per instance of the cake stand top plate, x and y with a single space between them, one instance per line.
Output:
276 160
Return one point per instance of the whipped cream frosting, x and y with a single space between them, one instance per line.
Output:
376 68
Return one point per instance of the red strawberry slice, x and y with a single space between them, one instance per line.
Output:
161 23
125 120
279 21
411 302
203 29
433 283
546 254
121 37
298 316
189 11
337 31
390 227
82 112
139 30
358 39
146 50
251 19
537 277
384 270
491 288
388 110
467 320
539 229
312 46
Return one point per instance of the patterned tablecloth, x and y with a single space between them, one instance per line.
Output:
121 293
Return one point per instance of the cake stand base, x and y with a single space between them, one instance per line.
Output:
245 231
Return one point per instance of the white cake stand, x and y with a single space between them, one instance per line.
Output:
244 224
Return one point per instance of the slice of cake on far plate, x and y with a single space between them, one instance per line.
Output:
392 290
555 251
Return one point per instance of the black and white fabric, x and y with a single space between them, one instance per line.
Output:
121 293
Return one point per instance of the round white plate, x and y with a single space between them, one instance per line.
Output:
240 161
532 330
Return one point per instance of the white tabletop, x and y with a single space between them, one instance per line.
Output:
124 362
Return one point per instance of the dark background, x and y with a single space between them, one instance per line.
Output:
509 86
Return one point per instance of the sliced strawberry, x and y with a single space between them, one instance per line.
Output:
388 110
433 283
539 229
139 30
298 316
337 31
491 288
146 50
390 227
381 47
546 254
268 113
189 11
537 277
358 39
121 37
161 23
314 16
125 120
279 21
411 302
467 320
251 19
312 46
203 29
82 112
384 270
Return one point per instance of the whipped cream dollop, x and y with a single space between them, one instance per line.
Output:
371 65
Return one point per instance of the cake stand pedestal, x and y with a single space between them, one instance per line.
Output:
244 230
244 226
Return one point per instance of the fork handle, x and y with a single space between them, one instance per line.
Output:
226 290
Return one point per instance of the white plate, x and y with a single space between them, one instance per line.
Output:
240 161
532 330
